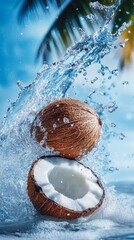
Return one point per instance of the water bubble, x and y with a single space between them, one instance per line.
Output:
113 125
66 120
3 137
111 108
122 136
103 69
116 26
122 44
113 169
125 83
91 17
94 80
126 40
20 84
84 74
54 126
90 94
115 72
82 18
104 93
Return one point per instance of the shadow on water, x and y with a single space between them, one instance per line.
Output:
28 226
122 237
123 187
17 227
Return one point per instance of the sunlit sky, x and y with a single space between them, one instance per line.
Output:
19 44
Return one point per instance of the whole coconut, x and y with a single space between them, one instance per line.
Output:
69 126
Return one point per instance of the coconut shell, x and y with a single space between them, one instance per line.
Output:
68 126
46 206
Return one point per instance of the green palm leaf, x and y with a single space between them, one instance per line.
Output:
31 6
125 13
65 29
127 52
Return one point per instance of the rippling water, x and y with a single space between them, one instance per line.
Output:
17 150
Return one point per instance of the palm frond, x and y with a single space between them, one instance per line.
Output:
125 13
128 50
29 7
62 32
66 28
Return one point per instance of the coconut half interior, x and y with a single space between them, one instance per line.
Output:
68 183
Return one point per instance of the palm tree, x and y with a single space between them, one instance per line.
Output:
65 29
125 13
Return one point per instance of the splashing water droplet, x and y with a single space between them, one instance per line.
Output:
125 83
20 84
3 137
111 108
54 126
66 120
122 45
113 125
94 80
115 72
113 169
126 40
122 136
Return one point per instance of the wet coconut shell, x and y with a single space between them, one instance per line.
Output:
46 206
69 126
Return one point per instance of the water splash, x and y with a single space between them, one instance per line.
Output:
18 150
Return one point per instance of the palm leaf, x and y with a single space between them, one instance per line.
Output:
66 28
31 7
125 13
128 50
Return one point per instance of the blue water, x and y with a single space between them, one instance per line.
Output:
92 77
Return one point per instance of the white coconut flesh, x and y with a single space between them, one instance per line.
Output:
68 183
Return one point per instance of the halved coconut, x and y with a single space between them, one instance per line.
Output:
68 126
64 189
